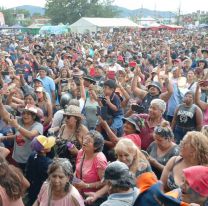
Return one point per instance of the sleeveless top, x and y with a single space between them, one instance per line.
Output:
6 200
170 181
186 116
147 100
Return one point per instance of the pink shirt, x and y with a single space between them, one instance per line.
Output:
205 119
67 200
6 200
90 167
135 138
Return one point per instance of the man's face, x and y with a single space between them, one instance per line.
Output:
42 73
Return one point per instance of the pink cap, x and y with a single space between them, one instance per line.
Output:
197 178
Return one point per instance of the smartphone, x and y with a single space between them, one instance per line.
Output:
4 73
137 108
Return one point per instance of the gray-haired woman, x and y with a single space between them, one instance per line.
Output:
57 190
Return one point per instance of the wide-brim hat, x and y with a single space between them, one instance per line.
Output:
37 52
90 59
77 72
41 142
136 121
73 110
35 110
155 84
4 53
90 79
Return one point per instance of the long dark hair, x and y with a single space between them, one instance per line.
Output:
11 179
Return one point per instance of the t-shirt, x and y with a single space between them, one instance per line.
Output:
135 138
48 85
36 173
67 200
90 167
122 199
146 132
22 145
117 102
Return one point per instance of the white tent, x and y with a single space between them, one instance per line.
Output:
96 24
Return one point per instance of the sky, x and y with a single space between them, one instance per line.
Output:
187 6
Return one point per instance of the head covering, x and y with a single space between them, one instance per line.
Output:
197 178
73 110
204 50
110 83
90 79
137 121
160 103
119 175
41 142
35 110
152 192
155 84
39 80
39 89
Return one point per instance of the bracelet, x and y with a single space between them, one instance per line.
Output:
18 128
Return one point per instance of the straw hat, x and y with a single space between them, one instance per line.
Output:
73 110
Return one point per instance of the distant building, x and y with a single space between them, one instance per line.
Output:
41 20
2 21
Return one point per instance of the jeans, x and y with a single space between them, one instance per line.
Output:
117 125
180 132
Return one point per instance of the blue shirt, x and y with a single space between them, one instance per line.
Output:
48 85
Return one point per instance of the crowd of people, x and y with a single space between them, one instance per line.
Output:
108 118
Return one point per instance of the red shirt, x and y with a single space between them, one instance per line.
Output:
146 133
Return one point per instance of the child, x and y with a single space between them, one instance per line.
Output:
37 165
112 103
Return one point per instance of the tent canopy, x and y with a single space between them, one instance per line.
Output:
92 24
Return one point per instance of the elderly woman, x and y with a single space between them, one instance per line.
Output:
194 151
128 153
195 186
26 128
58 190
187 117
121 186
162 149
91 164
151 120
71 134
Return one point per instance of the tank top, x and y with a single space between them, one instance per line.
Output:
186 116
147 100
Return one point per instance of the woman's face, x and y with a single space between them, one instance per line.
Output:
160 141
188 99
27 117
186 150
39 95
58 180
190 75
201 64
154 111
29 100
71 120
125 157
129 128
64 74
88 144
